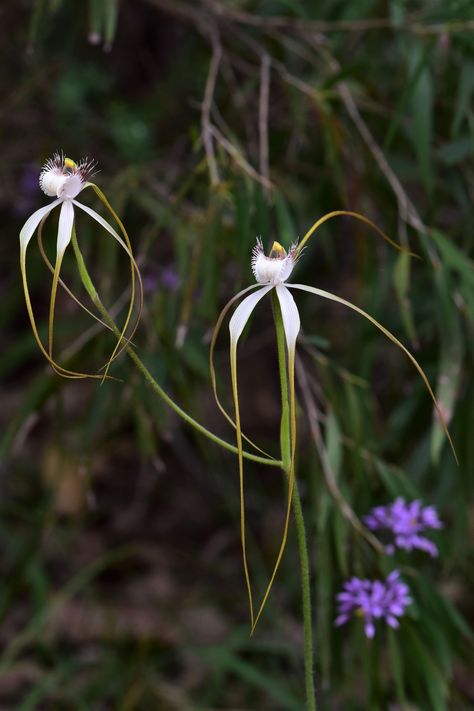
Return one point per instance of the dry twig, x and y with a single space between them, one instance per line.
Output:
329 478
207 105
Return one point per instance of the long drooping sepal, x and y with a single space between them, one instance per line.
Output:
236 326
66 221
357 216
63 284
332 297
29 228
135 272
291 325
212 369
26 234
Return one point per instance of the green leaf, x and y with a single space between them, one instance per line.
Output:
96 20
396 483
454 257
424 667
253 676
457 151
451 359
397 665
110 21
422 117
464 94
401 282
333 443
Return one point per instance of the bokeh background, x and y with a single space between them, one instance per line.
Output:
213 122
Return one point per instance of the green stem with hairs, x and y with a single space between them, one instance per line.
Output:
155 386
285 443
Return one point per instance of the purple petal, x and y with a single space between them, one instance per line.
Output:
369 629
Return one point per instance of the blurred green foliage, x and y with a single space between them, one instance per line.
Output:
213 122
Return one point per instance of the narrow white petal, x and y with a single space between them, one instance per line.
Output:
66 221
243 312
103 223
290 316
28 229
391 337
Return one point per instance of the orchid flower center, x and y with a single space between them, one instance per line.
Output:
63 178
277 267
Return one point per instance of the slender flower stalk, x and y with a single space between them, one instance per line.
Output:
64 179
271 274
297 513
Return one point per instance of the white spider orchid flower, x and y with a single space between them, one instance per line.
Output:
64 180
272 272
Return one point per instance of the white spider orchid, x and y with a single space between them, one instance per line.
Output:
272 272
64 179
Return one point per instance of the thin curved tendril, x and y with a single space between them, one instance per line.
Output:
332 297
122 342
235 393
212 369
52 302
357 216
291 483
59 369
62 283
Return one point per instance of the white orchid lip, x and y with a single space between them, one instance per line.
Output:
63 178
277 267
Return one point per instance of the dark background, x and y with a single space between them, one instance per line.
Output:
122 582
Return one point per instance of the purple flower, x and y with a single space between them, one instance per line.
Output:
406 521
372 600
170 279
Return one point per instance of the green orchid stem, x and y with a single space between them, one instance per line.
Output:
155 386
297 511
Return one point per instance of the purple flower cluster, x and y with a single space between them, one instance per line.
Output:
372 600
406 521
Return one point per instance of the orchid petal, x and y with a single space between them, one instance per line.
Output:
236 326
290 316
66 221
291 326
28 229
26 234
212 369
332 297
59 369
243 312
126 245
103 223
65 286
